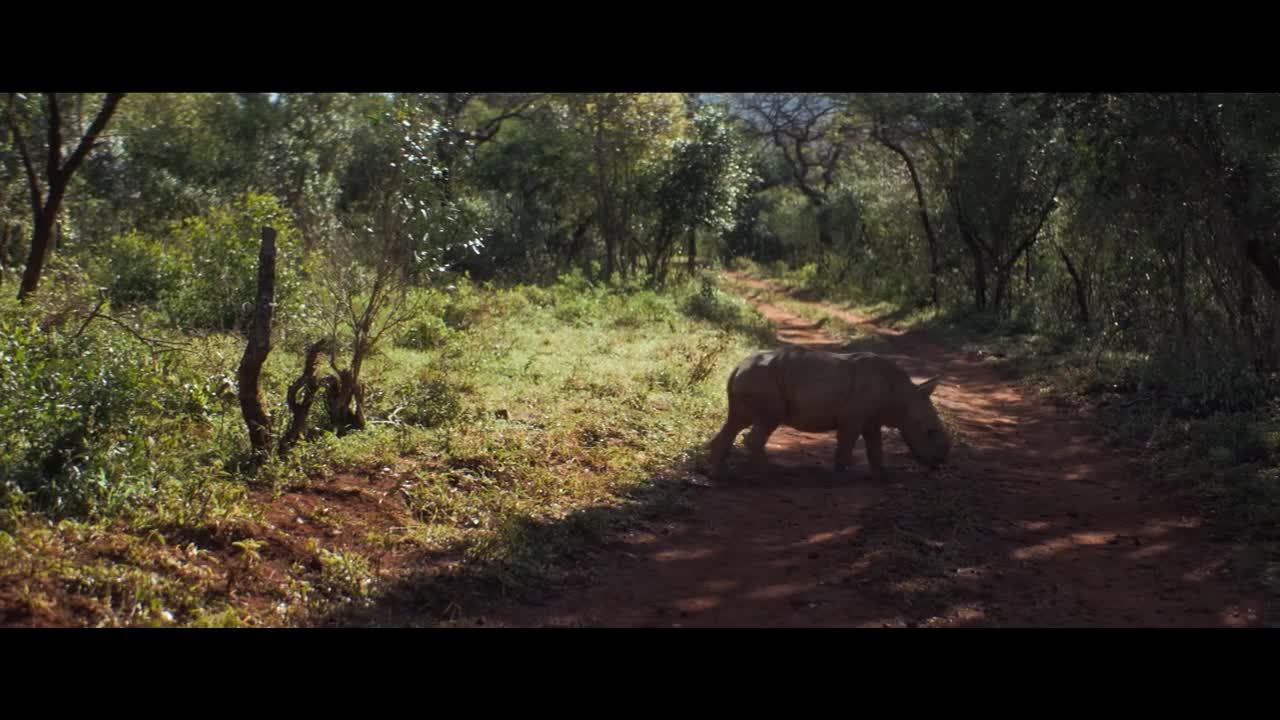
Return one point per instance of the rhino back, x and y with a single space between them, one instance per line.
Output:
811 390
818 388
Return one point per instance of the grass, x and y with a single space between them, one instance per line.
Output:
567 411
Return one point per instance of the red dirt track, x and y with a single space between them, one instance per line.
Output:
1033 523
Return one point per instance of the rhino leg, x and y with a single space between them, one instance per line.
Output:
845 439
758 437
875 451
722 443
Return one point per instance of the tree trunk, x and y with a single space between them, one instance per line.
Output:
577 244
1248 324
824 226
6 233
692 250
1265 262
924 214
654 260
39 253
1082 298
257 349
1003 277
979 274
1180 277
610 252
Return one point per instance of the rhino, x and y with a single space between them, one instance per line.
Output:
817 391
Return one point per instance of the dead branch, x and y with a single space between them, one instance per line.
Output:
301 395
257 349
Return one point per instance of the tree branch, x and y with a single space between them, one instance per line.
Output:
37 205
52 171
95 128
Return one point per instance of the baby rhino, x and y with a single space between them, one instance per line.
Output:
814 391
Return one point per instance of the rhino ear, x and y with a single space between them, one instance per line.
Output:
927 387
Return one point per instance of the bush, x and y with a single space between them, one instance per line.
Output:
429 399
138 269
89 416
728 312
427 332
220 248
463 305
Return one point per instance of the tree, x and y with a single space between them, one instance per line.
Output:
1005 173
895 124
47 201
701 187
629 135
809 133
541 189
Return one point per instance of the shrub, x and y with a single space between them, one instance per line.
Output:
138 269
220 248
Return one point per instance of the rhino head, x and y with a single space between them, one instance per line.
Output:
921 427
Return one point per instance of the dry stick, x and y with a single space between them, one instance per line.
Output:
301 394
155 345
256 350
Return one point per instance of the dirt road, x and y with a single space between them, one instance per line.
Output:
1035 522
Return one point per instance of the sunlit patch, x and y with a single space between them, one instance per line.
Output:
826 537
1034 525
774 592
1160 527
1151 551
669 555
719 585
697 604
919 585
864 563
956 614
1059 544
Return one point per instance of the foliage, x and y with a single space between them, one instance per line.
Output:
219 253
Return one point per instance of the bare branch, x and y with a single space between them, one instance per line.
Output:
95 128
155 345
